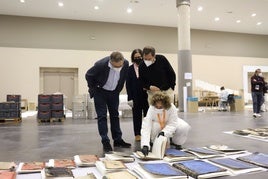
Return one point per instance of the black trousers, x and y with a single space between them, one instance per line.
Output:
104 100
139 110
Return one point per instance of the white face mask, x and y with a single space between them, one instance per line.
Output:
148 62
260 74
158 111
117 69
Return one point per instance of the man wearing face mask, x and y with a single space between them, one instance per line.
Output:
137 96
257 86
162 119
105 81
156 73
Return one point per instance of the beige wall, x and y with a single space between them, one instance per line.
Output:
26 44
20 68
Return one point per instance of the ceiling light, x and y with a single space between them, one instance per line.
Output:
200 8
60 4
238 21
96 7
22 1
253 15
216 19
129 10
259 23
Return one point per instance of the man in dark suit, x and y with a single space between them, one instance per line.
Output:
136 94
105 81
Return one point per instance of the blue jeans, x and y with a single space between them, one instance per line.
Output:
257 101
104 100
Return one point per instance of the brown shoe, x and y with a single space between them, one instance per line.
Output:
137 138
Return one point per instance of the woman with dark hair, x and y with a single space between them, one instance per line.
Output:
137 96
162 119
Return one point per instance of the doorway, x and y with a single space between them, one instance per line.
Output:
59 80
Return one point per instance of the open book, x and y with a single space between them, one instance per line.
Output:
158 150
225 149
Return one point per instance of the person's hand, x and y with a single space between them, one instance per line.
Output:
130 103
154 88
145 150
161 134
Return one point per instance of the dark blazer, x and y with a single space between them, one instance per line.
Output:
134 88
97 75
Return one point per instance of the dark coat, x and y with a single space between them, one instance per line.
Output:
97 75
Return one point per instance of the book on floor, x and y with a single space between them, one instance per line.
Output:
225 149
158 171
88 176
6 174
256 158
236 166
158 150
200 169
203 152
107 166
30 167
120 156
7 166
85 160
69 163
173 155
125 174
57 173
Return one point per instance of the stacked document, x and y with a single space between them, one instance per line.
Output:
236 166
200 169
256 158
85 160
158 170
174 155
203 152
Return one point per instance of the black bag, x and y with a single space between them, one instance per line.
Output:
230 99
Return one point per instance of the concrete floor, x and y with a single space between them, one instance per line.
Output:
33 141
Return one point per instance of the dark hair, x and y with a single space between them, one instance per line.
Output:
134 52
256 71
161 97
222 88
149 50
116 57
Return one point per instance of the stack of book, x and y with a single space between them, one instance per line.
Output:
107 166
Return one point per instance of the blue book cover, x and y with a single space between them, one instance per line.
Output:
256 158
204 151
194 168
161 169
176 153
232 163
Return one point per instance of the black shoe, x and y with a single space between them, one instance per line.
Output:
178 147
121 143
107 147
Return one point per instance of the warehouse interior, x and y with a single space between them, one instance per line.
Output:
48 51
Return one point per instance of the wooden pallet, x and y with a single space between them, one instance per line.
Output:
51 120
10 120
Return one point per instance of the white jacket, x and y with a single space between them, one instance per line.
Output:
151 127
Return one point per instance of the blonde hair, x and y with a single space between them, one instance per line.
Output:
161 97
